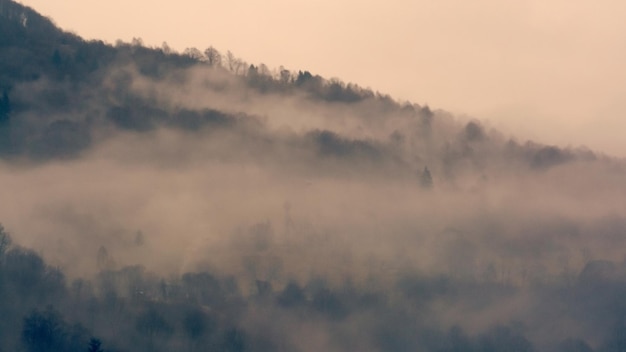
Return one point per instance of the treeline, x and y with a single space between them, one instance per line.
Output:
34 48
57 91
54 86
280 80
130 309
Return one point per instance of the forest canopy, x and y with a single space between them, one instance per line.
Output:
155 200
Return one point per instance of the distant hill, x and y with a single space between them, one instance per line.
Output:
195 202
52 81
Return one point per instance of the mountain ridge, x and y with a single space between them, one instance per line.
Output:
82 71
164 201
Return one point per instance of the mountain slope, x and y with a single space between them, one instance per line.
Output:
190 201
52 80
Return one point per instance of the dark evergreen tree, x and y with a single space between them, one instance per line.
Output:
5 108
95 345
426 179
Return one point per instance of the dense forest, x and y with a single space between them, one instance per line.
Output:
154 200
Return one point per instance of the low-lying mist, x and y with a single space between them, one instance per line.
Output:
441 217
161 202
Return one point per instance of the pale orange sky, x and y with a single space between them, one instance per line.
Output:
553 70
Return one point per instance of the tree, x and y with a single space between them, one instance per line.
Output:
303 77
291 296
194 53
231 61
197 325
234 340
235 64
5 107
5 241
26 271
152 323
57 60
474 132
426 179
202 288
284 76
77 338
457 341
104 261
95 345
139 239
503 338
137 42
327 302
165 48
213 57
264 288
253 72
44 332
616 341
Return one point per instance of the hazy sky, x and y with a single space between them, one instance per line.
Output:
552 70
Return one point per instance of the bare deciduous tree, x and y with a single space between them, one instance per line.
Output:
213 56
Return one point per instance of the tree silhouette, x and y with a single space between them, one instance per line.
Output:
213 56
194 53
43 332
151 323
5 241
291 296
197 324
426 180
95 345
503 338
103 260
5 107
234 341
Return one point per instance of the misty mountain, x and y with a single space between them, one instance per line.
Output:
163 201
59 92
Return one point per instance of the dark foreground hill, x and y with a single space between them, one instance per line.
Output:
164 201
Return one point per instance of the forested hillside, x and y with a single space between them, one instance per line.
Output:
162 201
